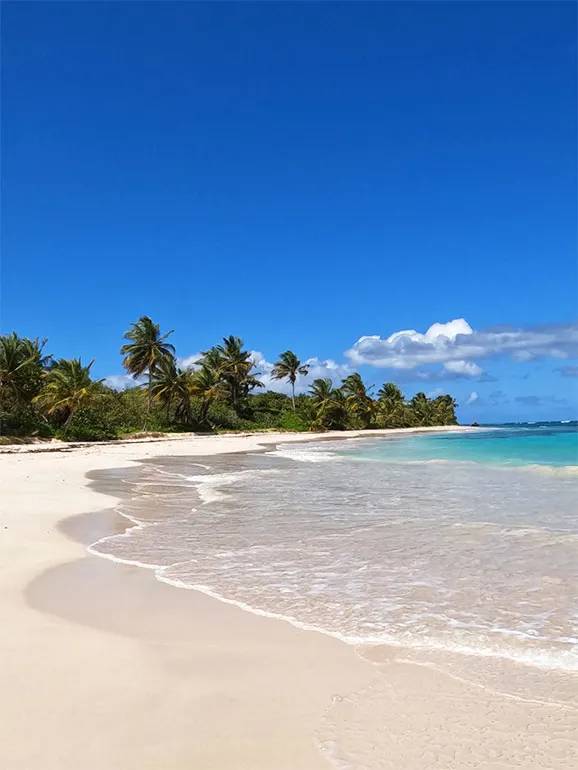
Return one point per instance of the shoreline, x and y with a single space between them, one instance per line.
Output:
56 605
65 446
103 641
131 523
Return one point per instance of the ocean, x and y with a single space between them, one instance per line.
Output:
467 542
461 548
527 444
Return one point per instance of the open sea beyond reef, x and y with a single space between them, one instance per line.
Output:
462 549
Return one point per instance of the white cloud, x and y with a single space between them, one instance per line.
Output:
456 343
263 370
122 381
435 332
327 368
189 361
465 368
472 398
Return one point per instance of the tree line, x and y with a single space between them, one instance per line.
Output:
45 396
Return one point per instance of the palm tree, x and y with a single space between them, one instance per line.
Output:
206 382
68 387
170 384
422 408
444 410
391 405
235 366
145 350
321 390
212 359
21 365
390 394
329 403
287 368
357 398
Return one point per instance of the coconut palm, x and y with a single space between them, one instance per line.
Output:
329 403
235 366
144 351
68 387
357 398
321 390
287 368
206 382
391 405
422 409
212 359
172 385
390 394
444 410
21 365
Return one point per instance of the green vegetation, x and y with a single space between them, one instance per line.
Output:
287 368
67 388
45 397
145 352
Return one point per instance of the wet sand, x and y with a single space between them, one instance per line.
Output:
103 666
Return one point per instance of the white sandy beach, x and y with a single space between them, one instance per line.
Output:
102 666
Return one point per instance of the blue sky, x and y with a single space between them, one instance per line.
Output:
302 175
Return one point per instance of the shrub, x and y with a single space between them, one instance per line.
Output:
263 421
222 417
23 421
292 421
93 423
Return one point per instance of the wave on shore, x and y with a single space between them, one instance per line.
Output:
447 557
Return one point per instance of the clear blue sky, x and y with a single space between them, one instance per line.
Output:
301 175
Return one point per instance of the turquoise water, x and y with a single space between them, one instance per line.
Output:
459 566
554 444
377 542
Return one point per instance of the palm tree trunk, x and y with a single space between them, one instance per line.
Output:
67 422
204 409
149 400
293 394
206 403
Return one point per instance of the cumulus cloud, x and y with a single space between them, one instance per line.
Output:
466 368
327 368
455 344
122 381
472 398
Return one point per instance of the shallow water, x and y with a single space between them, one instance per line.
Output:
465 566
552 445
463 557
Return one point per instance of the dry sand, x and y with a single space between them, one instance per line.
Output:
102 667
